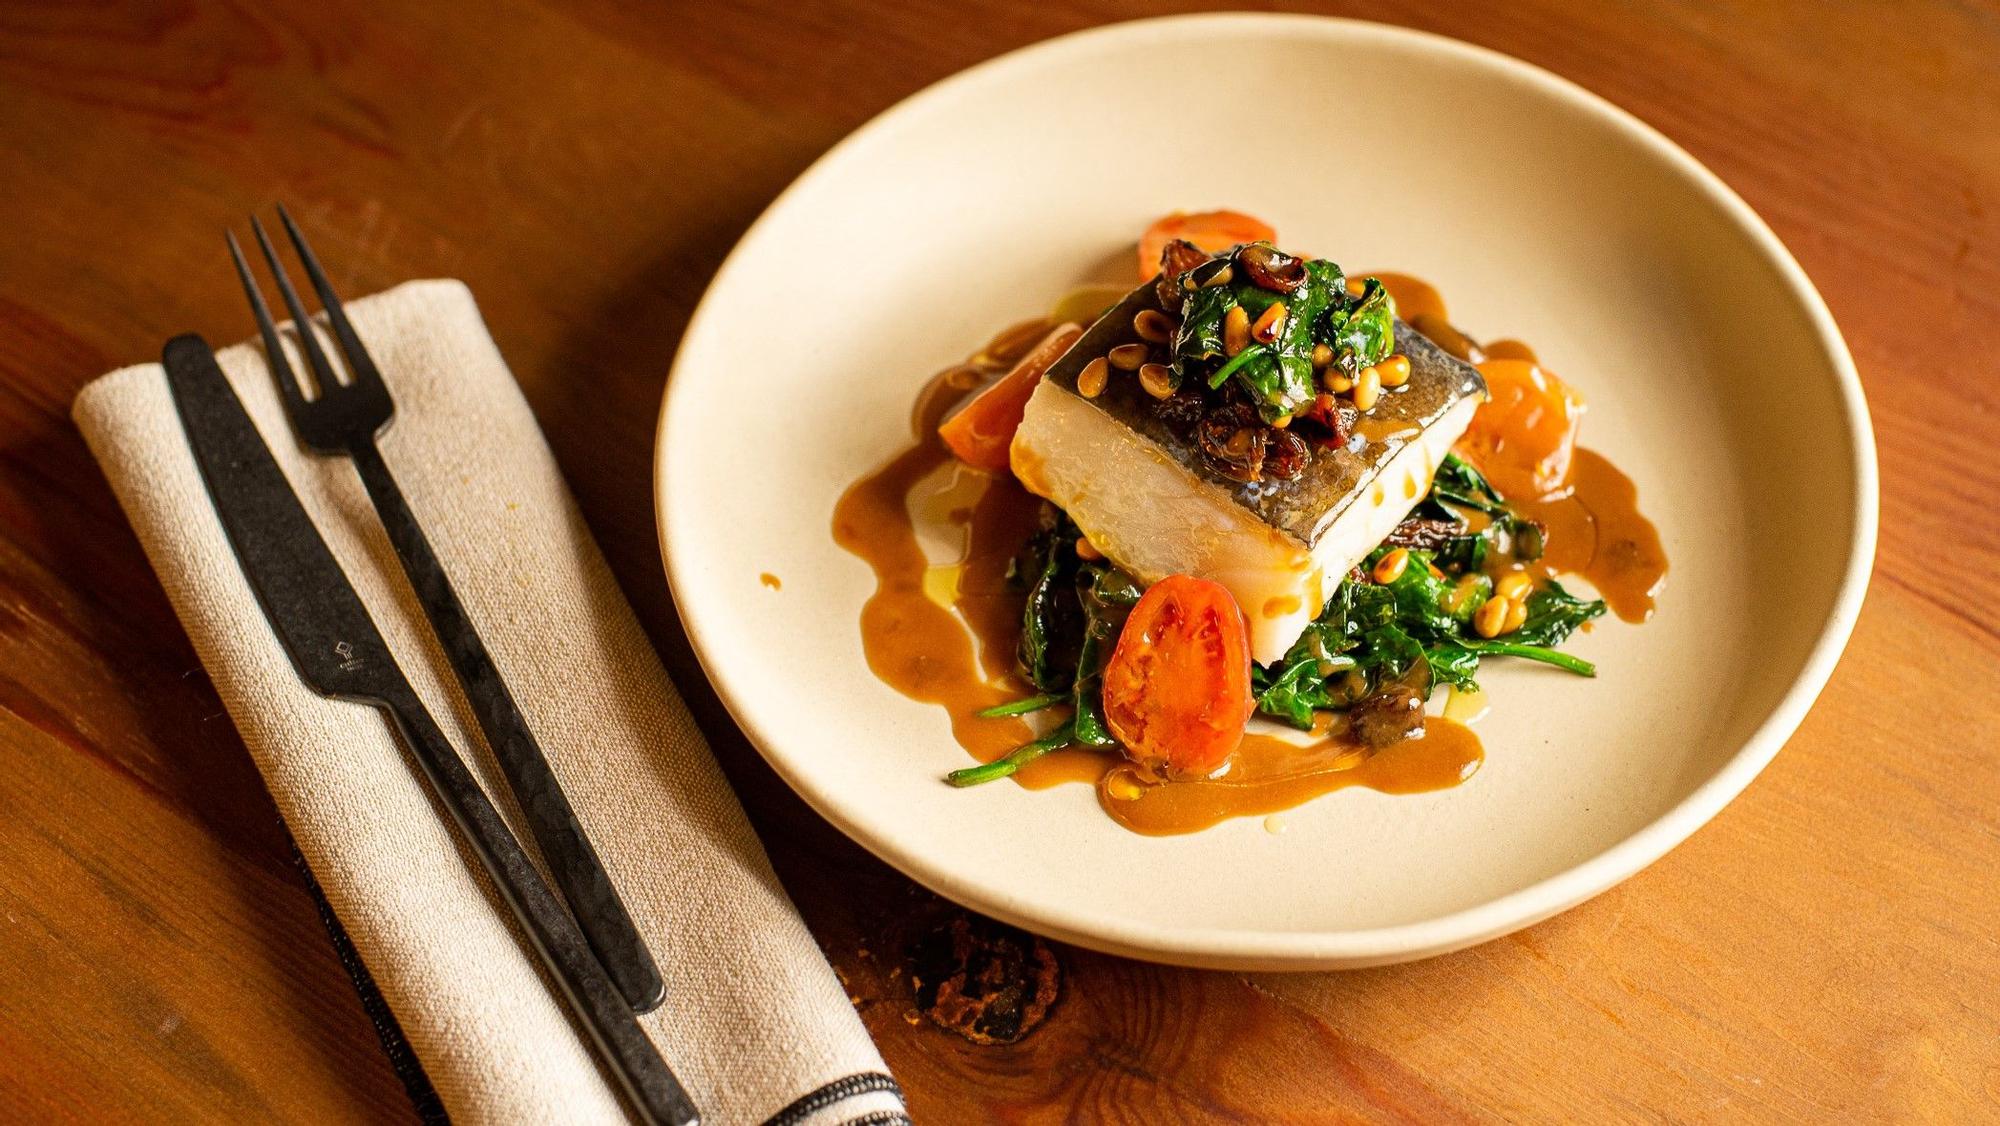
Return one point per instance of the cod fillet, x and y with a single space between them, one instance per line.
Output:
1146 497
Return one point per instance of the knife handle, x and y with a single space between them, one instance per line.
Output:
574 863
648 1083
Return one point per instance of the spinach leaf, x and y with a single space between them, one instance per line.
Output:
1314 674
1293 388
1254 298
1106 595
1294 695
1457 481
1052 617
1199 339
1387 652
1419 598
1553 614
1465 554
1461 484
1467 594
1362 332
1303 684
1365 606
1452 663
1278 377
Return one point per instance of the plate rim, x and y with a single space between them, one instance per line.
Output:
1263 949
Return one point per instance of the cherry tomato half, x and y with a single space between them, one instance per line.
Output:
1210 230
1177 688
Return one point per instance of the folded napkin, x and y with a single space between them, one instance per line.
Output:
754 1023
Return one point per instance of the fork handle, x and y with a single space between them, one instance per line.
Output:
629 1055
600 913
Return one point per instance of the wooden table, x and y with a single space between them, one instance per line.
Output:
1826 949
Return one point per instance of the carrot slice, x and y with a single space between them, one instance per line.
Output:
982 430
1524 435
1210 230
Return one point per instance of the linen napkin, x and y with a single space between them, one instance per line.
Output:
755 1023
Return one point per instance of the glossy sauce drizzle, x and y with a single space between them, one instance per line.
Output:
945 633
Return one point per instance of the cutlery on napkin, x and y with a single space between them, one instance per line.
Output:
754 1021
333 643
346 416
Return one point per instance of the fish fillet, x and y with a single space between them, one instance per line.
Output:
1147 499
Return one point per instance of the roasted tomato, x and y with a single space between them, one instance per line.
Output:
1524 434
982 430
1177 688
1210 230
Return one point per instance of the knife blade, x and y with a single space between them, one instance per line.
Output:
334 645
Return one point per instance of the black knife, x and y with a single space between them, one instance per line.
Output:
338 652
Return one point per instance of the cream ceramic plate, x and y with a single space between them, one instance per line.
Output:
1715 376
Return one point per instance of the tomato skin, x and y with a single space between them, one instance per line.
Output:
980 432
1524 435
1210 230
1177 687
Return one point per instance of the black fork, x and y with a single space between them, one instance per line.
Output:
344 418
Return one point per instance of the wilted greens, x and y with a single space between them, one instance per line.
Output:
1416 631
1373 641
1278 376
1373 645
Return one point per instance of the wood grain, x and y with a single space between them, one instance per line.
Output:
1828 949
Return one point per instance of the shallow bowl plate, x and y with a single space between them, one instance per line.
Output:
1715 376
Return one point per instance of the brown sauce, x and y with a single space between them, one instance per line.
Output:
1268 774
1594 529
913 643
945 633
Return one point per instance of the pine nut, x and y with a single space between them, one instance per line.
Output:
1517 616
1390 567
1153 326
1235 330
1090 381
1157 379
1335 382
1087 551
1367 389
1514 587
1270 323
1491 618
1128 357
1395 370
1322 355
1281 422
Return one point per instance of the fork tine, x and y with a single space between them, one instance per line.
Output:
358 360
322 371
281 368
